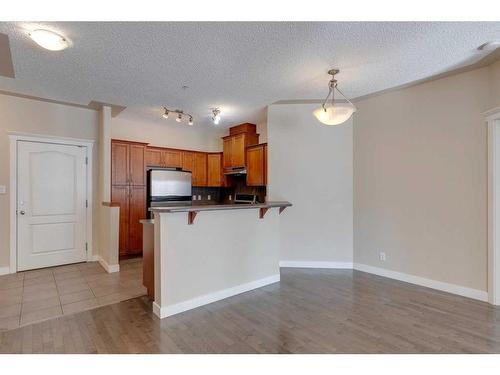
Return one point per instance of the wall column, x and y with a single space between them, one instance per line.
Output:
493 119
109 214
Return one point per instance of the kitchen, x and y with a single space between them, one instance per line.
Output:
230 180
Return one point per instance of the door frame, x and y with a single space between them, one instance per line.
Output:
492 118
14 137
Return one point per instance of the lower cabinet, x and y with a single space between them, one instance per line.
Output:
132 200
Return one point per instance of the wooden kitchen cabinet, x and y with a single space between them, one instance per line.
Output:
234 149
215 178
154 157
188 161
257 165
119 163
127 163
200 169
128 189
137 212
195 162
163 157
172 158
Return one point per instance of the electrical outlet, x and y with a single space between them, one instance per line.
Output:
381 256
209 197
199 197
194 197
3 189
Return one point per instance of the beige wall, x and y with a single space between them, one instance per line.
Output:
420 179
310 165
494 85
37 117
168 134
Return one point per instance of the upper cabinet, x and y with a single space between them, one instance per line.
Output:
195 162
127 163
200 169
215 178
257 165
235 144
163 157
172 158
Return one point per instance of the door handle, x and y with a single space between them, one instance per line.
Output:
22 212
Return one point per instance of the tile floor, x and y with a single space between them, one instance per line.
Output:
32 296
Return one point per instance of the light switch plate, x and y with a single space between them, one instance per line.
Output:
3 189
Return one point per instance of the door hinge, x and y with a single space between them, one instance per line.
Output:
86 203
86 160
86 246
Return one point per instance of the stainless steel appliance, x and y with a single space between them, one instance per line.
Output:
236 171
245 199
168 187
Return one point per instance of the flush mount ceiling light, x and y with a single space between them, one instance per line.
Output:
331 113
216 116
489 46
49 40
180 115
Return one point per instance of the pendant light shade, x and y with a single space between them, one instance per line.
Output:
334 114
331 112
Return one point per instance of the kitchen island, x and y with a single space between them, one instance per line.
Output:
204 253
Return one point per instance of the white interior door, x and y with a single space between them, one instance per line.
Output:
51 204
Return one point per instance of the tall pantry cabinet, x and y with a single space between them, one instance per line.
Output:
128 188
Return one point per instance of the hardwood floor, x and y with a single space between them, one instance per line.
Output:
309 311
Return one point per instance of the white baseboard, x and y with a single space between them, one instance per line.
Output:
163 312
480 295
4 270
313 264
110 268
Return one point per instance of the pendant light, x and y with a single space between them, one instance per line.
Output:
331 113
49 40
216 116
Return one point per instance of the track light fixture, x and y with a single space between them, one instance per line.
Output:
180 115
216 115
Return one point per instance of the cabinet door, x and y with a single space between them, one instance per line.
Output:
255 166
153 157
238 150
119 163
172 158
137 211
226 153
200 169
137 170
214 170
120 194
188 161
265 164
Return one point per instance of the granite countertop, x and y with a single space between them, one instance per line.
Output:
218 207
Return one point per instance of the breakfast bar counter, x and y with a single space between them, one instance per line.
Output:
229 250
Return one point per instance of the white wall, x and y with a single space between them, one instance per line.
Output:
38 117
221 254
311 165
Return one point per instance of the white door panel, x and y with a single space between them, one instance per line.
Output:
51 208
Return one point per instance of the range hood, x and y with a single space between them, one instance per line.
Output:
236 171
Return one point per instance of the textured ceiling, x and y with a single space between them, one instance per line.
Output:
239 67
